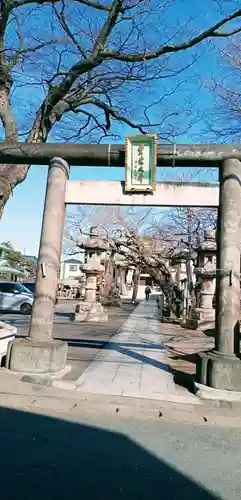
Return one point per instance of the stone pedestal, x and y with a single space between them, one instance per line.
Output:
221 368
219 371
39 353
89 309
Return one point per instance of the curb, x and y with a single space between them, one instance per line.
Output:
39 398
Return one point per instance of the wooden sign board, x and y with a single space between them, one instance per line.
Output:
140 163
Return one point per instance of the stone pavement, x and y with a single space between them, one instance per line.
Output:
135 362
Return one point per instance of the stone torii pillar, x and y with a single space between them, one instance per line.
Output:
39 353
221 368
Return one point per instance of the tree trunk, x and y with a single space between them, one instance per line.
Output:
10 174
136 280
7 172
189 270
122 281
108 277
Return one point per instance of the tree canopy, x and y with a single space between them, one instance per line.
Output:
17 260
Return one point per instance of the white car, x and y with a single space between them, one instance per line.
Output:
15 297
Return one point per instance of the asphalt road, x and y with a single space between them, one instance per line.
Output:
88 457
63 310
84 339
58 455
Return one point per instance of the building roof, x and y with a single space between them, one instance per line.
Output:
11 270
33 257
72 261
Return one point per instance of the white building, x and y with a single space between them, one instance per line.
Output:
70 269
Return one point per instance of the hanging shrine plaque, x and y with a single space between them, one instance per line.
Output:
140 163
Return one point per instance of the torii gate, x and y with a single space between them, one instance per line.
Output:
41 354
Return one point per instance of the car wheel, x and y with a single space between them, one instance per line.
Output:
26 308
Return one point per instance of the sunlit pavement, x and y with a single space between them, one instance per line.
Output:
124 357
134 363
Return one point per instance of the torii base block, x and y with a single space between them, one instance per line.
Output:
29 356
219 372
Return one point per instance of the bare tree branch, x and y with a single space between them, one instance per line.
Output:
88 3
224 119
160 51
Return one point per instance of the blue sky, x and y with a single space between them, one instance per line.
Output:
21 221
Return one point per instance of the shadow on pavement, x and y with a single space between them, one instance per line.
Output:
53 459
101 343
124 349
69 315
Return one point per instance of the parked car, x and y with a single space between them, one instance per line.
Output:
31 287
15 296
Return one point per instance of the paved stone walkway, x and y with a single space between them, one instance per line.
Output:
135 362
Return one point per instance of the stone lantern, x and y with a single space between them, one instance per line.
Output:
179 267
120 270
95 247
90 309
206 276
179 261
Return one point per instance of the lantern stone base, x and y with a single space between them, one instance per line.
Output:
91 312
219 371
202 317
30 356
